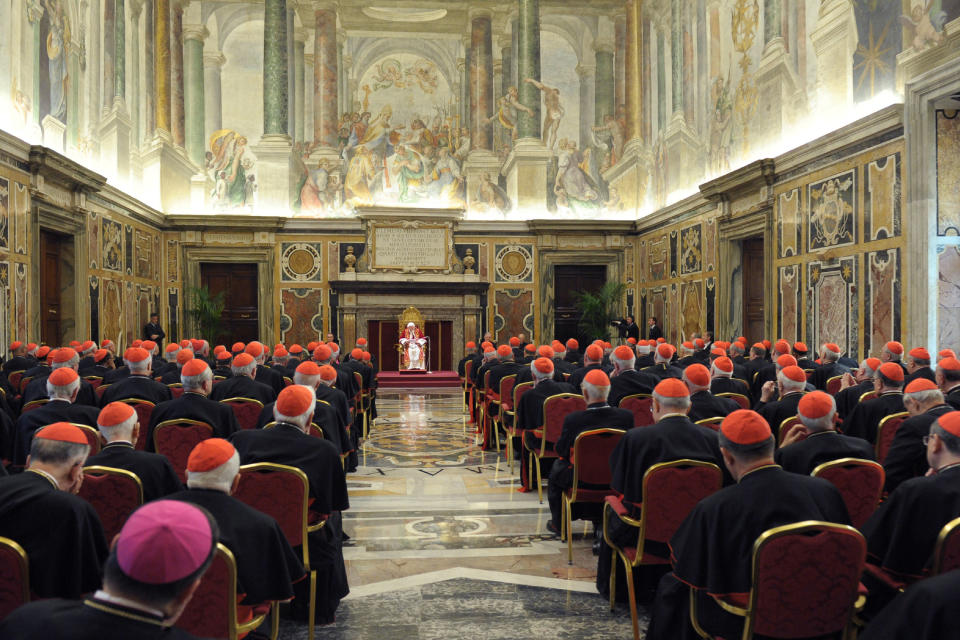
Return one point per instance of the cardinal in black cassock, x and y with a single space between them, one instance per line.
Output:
866 416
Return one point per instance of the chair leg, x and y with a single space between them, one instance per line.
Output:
539 480
632 596
274 620
509 447
312 623
568 511
613 578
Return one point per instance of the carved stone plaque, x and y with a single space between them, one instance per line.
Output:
410 247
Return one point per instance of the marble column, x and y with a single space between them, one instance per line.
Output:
120 49
177 112
136 95
194 92
633 73
506 68
342 107
605 98
676 57
149 65
514 48
772 25
481 82
34 14
213 62
116 127
307 96
689 82
325 96
528 66
588 79
777 80
291 78
298 92
619 63
109 53
161 68
663 54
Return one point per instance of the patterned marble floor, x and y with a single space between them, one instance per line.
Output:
443 544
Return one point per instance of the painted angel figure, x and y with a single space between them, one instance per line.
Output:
414 351
927 29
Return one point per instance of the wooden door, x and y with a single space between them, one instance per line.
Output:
50 308
241 316
567 281
753 298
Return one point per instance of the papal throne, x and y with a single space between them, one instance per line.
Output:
417 352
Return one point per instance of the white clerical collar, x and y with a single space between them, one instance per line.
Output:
103 596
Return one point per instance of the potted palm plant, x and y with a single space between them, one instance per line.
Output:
206 313
598 309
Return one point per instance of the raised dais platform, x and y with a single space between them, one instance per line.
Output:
417 379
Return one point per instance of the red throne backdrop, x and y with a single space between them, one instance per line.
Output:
383 336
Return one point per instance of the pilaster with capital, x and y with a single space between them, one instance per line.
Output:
528 67
213 62
161 67
194 92
299 44
587 74
177 111
481 82
325 72
605 85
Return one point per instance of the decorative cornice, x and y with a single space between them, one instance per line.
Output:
757 174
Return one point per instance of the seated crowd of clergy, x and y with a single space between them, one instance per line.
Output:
143 578
830 408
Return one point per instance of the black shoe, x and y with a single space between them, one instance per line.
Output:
552 528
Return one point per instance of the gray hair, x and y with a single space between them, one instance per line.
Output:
196 382
60 454
62 392
219 479
679 405
122 431
594 391
790 385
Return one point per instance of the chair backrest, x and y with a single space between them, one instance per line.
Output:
93 437
785 427
14 577
808 373
506 390
467 371
282 492
175 439
591 456
14 378
287 381
176 389
946 555
212 611
833 385
95 381
670 491
144 409
114 494
739 398
486 380
519 390
869 395
860 483
247 411
555 409
711 423
315 430
640 405
101 389
886 431
34 404
805 579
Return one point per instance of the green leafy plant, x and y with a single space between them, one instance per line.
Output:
599 308
206 313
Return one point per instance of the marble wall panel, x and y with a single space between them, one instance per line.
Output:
513 313
657 305
111 310
881 201
301 315
93 291
788 302
948 172
21 217
671 325
881 298
832 312
513 262
710 258
173 260
93 239
831 210
789 223
173 311
673 268
948 297
692 317
20 327
5 324
111 238
143 254
711 302
691 249
4 213
128 245
301 261
658 255
130 330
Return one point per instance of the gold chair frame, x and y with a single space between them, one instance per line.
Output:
848 462
113 471
901 415
534 456
410 314
782 429
949 529
513 414
21 553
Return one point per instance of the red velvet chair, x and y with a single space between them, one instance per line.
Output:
711 423
95 381
489 397
590 457
14 577
468 389
247 411
512 430
806 579
886 431
144 409
175 439
14 378
114 494
93 437
34 404
283 493
176 389
785 427
212 611
860 482
640 405
946 555
287 381
739 398
834 384
540 442
670 491
504 402
869 395
99 390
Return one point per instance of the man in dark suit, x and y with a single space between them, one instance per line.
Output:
171 374
18 360
243 384
139 384
907 456
918 366
194 404
102 365
653 331
791 383
592 359
817 412
598 415
68 358
866 416
948 379
627 329
625 379
854 385
63 385
828 367
153 331
662 368
801 352
529 411
119 426
704 404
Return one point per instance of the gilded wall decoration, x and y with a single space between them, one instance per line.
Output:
513 313
513 263
789 223
948 172
301 315
691 250
674 261
658 256
710 244
111 234
691 315
111 310
94 293
21 217
948 297
4 213
5 303
301 261
788 301
881 202
173 269
672 324
832 304
881 300
128 245
93 239
657 305
832 211
21 293
173 311
144 258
